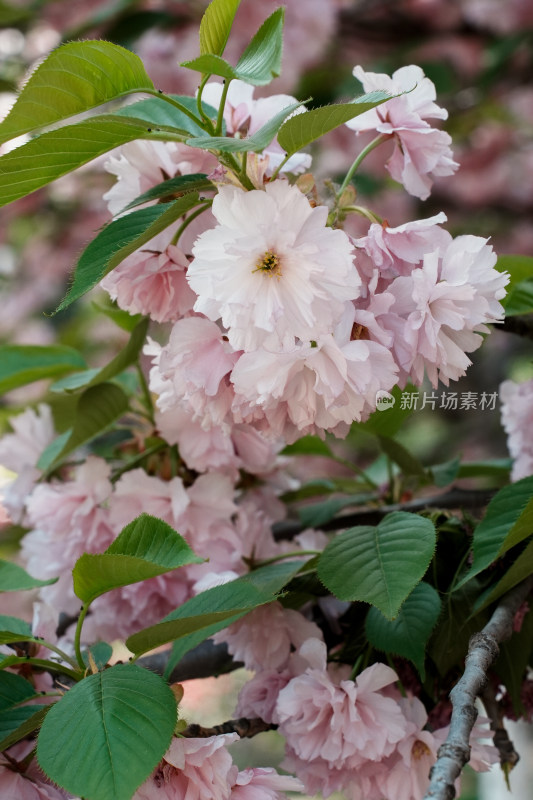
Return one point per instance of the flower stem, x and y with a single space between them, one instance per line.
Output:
294 554
58 651
383 137
77 635
185 224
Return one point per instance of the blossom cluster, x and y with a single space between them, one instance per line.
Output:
282 325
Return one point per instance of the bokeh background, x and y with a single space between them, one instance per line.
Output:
479 53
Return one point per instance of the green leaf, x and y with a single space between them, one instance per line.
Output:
106 735
172 630
308 446
519 299
513 661
158 112
261 61
520 268
507 522
98 408
407 636
408 464
91 377
518 572
56 152
123 319
389 421
121 238
10 15
21 364
14 690
145 548
216 25
168 190
379 565
255 143
74 78
317 514
101 653
13 626
258 587
14 579
449 643
18 723
211 65
490 468
301 130
443 474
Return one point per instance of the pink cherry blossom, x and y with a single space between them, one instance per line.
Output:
310 388
259 696
192 769
340 724
245 115
136 492
394 251
442 307
263 783
271 267
140 165
517 417
68 520
247 642
419 149
19 787
152 282
192 371
33 431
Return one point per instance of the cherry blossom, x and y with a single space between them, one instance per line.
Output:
246 639
517 416
419 149
153 282
271 267
33 431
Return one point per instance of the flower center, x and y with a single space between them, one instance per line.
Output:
269 263
420 749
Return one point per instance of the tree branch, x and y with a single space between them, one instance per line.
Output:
246 728
205 661
521 325
482 652
456 498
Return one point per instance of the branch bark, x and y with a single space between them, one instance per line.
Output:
482 652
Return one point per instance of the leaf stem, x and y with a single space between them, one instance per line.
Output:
45 664
179 106
208 125
383 137
137 460
147 397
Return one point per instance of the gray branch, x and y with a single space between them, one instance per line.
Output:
482 652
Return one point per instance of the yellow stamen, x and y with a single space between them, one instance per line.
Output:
269 263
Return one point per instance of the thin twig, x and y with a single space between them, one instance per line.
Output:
482 652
